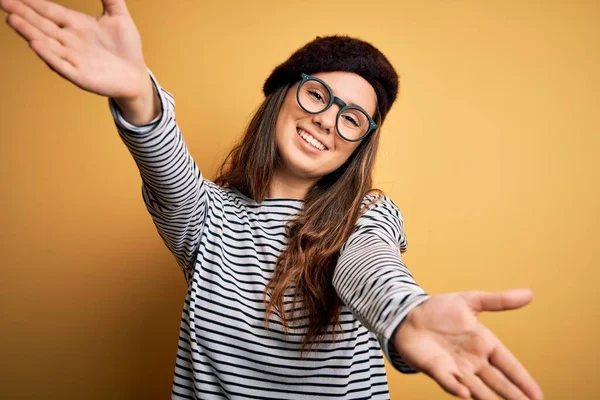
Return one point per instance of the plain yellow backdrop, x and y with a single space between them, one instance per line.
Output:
492 152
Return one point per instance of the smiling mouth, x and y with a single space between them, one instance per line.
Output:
311 140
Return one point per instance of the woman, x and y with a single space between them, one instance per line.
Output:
295 276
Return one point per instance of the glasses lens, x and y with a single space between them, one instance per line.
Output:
353 124
313 96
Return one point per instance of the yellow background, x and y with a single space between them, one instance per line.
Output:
492 152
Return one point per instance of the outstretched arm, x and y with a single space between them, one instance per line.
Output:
436 334
103 55
173 187
372 279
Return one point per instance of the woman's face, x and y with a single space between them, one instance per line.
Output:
301 158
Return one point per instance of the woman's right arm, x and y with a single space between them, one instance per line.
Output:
103 55
173 186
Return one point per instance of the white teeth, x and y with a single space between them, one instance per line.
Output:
309 139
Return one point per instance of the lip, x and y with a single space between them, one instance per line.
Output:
311 133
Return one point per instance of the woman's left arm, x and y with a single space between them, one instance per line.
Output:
371 278
438 335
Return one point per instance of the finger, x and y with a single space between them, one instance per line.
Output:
56 13
52 54
115 7
497 301
30 33
48 27
508 364
477 388
6 4
24 28
449 383
493 378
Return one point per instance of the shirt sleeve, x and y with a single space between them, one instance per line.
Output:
173 187
372 279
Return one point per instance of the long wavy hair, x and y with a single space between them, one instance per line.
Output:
331 208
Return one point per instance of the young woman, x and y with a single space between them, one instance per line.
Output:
295 278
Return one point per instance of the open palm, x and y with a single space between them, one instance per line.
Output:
102 55
443 338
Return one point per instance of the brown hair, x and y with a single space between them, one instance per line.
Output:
331 209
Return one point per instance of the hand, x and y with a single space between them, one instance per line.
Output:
102 55
443 338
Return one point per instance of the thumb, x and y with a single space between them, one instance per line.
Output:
115 7
497 301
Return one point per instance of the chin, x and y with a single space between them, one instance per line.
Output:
301 169
298 164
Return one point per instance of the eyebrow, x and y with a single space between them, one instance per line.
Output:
351 103
372 115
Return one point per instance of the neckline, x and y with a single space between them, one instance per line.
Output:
266 200
282 198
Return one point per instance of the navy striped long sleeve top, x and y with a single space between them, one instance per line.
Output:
226 244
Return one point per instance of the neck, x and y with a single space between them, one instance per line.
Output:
287 185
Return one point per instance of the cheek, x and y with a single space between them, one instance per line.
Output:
286 119
283 127
343 149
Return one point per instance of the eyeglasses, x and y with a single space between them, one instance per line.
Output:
352 123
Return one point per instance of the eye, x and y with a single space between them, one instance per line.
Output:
350 119
315 94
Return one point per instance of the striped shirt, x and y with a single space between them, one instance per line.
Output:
227 244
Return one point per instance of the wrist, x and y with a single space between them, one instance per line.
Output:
141 108
412 319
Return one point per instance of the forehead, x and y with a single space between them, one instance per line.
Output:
352 88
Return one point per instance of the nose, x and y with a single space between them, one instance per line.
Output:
326 120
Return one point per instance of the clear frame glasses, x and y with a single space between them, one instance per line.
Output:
352 123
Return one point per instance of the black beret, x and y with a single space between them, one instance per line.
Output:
340 53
